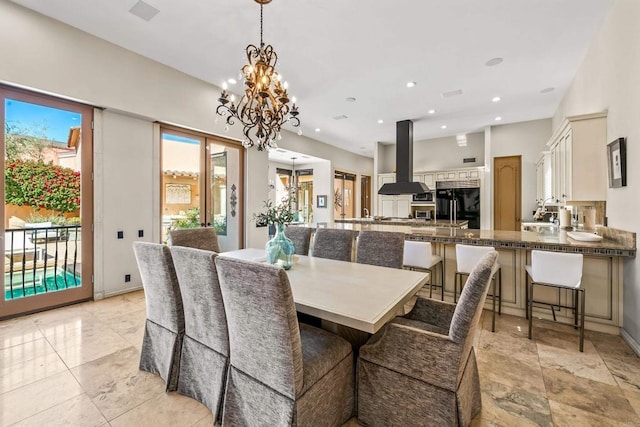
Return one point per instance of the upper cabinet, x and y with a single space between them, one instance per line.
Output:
427 177
544 178
578 159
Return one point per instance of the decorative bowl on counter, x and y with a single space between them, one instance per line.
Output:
583 236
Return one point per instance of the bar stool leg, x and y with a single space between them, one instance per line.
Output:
442 280
530 308
455 288
493 311
575 304
500 289
581 292
526 298
430 283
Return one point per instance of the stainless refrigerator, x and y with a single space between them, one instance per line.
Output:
458 201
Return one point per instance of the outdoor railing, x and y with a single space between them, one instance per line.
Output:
41 259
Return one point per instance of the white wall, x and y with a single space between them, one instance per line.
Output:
51 57
127 156
527 139
609 79
437 154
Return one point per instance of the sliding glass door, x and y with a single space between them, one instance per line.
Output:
202 185
48 211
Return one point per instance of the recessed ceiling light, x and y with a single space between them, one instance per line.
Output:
317 129
443 127
144 10
232 81
411 84
340 117
496 99
493 62
432 111
380 121
498 118
547 90
351 99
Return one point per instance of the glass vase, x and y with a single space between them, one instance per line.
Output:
280 249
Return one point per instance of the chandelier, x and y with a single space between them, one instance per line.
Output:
264 107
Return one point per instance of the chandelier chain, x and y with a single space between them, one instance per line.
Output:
261 42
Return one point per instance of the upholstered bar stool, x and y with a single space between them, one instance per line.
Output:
561 271
466 258
418 256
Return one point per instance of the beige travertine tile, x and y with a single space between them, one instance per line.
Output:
115 384
23 352
78 411
634 399
626 371
588 395
130 326
206 421
90 344
504 369
135 296
568 416
512 406
18 331
609 345
36 397
60 322
588 364
29 371
167 409
109 308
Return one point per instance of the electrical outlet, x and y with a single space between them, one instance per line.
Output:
140 233
127 277
120 234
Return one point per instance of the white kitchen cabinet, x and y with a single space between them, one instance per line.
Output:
579 159
446 175
393 206
427 177
544 187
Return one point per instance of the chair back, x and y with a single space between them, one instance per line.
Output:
381 248
469 308
263 328
160 283
200 238
556 268
417 254
204 315
333 243
301 238
468 256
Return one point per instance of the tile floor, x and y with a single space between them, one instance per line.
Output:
79 366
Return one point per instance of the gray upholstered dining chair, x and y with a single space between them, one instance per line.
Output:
205 349
281 373
164 327
421 369
301 238
333 243
382 248
200 238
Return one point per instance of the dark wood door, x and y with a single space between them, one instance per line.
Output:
507 193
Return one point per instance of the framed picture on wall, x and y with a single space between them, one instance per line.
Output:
617 161
321 201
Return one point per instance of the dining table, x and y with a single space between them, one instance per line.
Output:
360 296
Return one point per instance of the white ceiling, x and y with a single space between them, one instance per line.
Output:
368 49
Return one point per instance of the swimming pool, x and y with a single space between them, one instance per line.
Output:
39 283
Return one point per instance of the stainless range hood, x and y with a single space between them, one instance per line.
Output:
404 164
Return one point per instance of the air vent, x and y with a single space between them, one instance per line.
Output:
469 160
144 10
452 93
340 117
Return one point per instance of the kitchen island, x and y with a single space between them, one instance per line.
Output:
413 222
602 272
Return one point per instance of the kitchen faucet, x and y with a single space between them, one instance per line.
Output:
366 212
542 210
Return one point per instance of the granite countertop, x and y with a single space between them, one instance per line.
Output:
615 242
413 222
